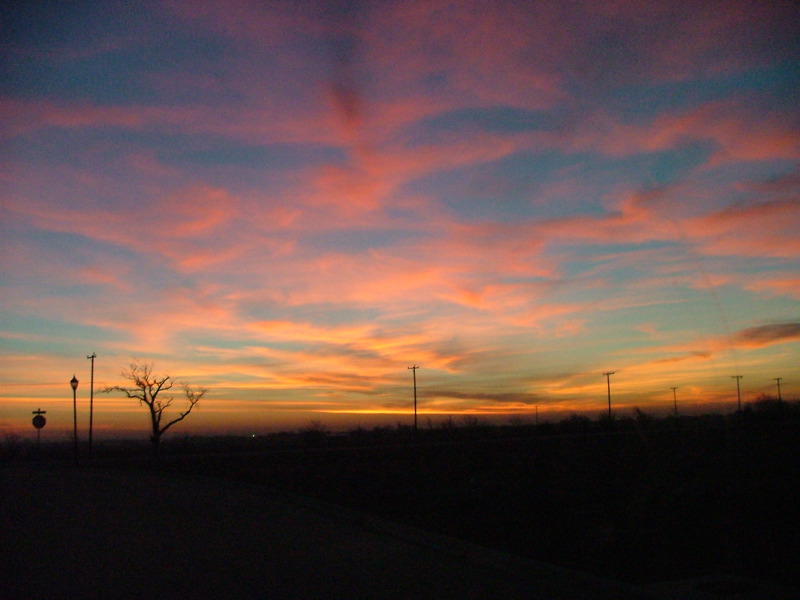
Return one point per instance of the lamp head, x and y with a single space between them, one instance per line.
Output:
74 383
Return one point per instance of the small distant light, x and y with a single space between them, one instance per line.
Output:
254 435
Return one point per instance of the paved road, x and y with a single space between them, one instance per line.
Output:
94 533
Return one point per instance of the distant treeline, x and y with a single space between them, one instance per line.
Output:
464 427
470 427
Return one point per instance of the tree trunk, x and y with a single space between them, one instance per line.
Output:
155 441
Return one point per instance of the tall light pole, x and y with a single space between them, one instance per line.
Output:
608 375
74 384
91 357
414 372
738 390
778 379
675 399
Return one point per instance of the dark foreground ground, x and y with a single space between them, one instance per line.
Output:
710 505
656 502
98 533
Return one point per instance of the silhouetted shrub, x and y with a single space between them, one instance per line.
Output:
769 406
314 434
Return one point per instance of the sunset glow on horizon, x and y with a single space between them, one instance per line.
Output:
289 204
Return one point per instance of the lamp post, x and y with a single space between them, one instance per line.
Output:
675 400
74 384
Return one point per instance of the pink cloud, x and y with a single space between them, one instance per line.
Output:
786 285
767 229
106 275
684 40
542 47
694 355
179 226
367 349
350 190
265 23
757 228
308 332
463 44
255 123
401 46
363 279
735 130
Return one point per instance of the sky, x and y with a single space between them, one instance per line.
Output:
291 203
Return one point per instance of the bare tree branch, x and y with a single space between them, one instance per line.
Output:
147 389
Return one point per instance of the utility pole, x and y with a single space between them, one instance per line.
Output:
675 400
91 401
608 375
738 390
778 379
414 372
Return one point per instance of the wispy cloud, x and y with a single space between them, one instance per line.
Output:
765 335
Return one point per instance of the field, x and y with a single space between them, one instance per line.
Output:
638 501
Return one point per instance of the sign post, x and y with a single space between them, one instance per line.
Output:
39 422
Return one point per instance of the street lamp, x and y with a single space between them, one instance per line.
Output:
74 383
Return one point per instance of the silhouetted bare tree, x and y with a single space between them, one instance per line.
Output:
149 389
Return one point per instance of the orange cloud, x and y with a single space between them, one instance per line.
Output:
370 349
693 355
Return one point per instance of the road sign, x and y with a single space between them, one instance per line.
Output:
39 421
